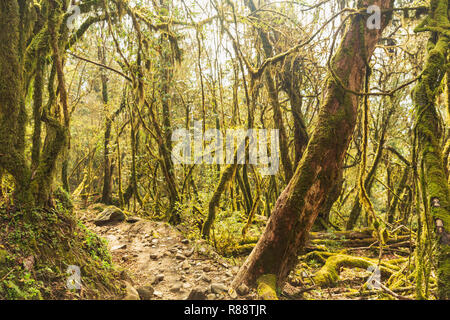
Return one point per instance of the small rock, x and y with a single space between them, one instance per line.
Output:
179 256
28 263
131 293
197 294
189 253
158 294
176 287
211 296
232 293
146 293
154 256
185 265
109 215
206 268
242 290
186 285
159 278
205 278
121 246
218 288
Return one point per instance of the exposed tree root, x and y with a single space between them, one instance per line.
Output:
365 293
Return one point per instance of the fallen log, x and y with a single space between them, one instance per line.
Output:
328 275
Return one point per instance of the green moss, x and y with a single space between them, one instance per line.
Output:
63 198
434 182
267 287
3 256
55 240
328 275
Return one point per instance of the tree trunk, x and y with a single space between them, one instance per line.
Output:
226 176
398 192
319 169
429 132
107 177
12 158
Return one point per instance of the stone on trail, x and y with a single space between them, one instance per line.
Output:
119 247
197 294
218 288
179 256
242 290
131 293
205 278
176 287
109 215
154 256
185 265
189 253
146 292
232 293
158 294
186 285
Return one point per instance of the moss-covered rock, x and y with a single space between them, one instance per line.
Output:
267 287
110 215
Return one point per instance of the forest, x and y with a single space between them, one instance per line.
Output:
224 150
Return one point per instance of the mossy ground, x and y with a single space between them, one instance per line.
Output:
35 255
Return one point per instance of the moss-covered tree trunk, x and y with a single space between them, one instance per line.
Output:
429 132
394 202
12 95
225 177
318 171
107 167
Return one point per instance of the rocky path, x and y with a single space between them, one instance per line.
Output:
161 264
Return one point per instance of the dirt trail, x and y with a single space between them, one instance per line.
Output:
164 265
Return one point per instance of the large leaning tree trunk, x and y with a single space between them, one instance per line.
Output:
294 213
429 132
